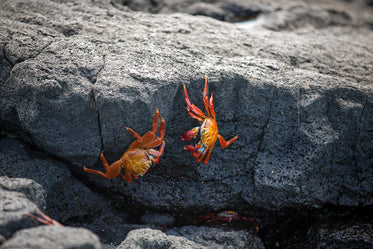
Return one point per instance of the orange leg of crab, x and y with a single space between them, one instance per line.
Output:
193 111
157 153
209 106
208 156
154 142
112 170
225 144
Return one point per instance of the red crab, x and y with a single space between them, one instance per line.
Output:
226 216
208 128
138 158
45 219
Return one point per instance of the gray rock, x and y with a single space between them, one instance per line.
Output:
300 101
150 238
346 235
14 208
65 196
218 238
32 190
53 237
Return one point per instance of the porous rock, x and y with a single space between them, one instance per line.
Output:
300 101
31 189
53 237
219 237
65 196
151 238
342 235
14 208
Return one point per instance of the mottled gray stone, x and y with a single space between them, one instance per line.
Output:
31 189
14 207
53 237
345 235
300 101
219 237
150 238
65 196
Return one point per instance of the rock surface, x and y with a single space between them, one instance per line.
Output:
53 237
65 196
14 207
295 84
150 238
218 238
71 93
31 189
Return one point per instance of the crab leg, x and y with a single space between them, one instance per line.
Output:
211 107
193 110
111 171
205 99
157 153
202 155
225 144
45 219
133 133
208 156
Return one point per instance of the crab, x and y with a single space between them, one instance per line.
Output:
208 128
226 216
45 219
140 155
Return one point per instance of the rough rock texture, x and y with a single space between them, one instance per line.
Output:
65 196
14 207
31 189
53 237
218 238
296 85
150 238
345 236
302 108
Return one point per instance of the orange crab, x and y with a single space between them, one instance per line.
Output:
138 158
208 128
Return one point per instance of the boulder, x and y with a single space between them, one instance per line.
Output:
301 102
31 189
53 237
219 237
14 208
150 238
65 196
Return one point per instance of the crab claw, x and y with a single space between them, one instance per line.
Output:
190 134
192 148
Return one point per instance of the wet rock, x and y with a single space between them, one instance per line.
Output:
218 238
65 196
53 237
14 208
150 238
32 190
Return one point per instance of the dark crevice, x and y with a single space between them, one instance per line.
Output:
93 102
263 134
